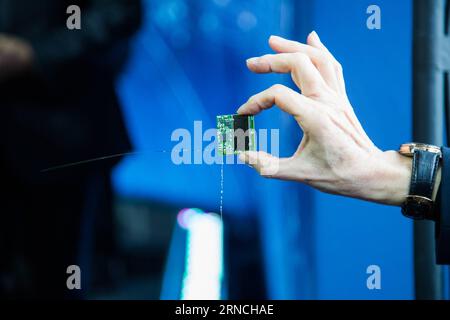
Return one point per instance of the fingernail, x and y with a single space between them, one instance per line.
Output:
242 156
259 65
276 38
250 107
315 35
253 60
241 107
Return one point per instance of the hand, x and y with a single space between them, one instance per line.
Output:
16 55
335 154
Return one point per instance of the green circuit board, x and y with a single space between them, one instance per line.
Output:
229 142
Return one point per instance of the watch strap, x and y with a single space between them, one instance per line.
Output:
424 170
419 203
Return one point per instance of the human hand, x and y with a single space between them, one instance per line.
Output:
16 55
335 154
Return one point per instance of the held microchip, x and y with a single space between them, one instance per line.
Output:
235 133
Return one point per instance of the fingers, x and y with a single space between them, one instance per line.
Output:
304 73
265 164
314 41
319 58
328 66
288 100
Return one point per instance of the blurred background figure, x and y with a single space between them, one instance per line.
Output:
58 105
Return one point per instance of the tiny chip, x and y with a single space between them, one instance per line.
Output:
235 133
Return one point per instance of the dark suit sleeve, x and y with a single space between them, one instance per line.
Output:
443 224
103 24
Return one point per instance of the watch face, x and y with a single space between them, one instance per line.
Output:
407 149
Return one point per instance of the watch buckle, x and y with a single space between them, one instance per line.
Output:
419 203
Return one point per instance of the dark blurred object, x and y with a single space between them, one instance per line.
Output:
144 229
61 109
244 256
16 55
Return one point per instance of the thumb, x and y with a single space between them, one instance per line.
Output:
266 164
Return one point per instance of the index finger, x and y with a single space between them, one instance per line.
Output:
303 72
286 99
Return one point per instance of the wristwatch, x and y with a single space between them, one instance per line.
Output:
426 158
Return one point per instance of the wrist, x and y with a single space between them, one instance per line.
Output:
390 181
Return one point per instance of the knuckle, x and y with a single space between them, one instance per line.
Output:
253 98
278 89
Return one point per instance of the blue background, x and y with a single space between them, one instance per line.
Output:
189 64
